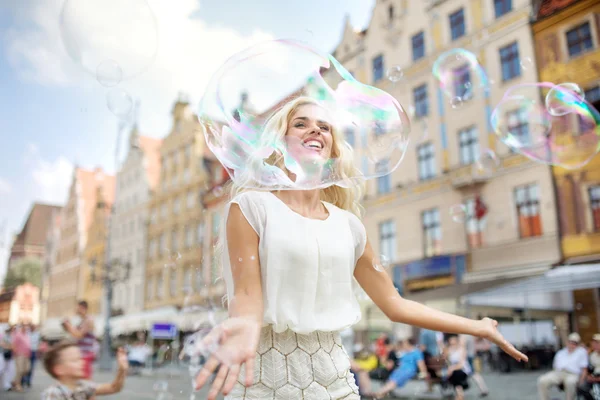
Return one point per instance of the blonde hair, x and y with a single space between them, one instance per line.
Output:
346 198
275 129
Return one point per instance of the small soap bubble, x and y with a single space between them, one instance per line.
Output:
458 212
487 163
395 73
526 63
381 263
174 260
109 74
119 103
456 102
240 259
252 258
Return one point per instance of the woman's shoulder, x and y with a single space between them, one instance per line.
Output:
253 196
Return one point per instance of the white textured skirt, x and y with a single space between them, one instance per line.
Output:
294 366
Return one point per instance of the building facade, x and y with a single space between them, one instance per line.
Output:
52 243
31 241
506 225
65 280
567 36
20 305
136 182
176 222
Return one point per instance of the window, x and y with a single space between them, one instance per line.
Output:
462 82
187 281
191 199
391 14
162 245
509 61
199 232
592 96
378 69
189 236
468 146
174 244
518 125
457 24
421 101
579 39
160 285
474 226
163 211
350 138
418 46
432 232
426 161
594 193
387 240
176 204
199 279
502 7
528 210
187 153
173 282
384 183
379 128
186 175
151 248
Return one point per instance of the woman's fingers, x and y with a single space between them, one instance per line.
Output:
234 372
249 371
206 371
512 351
218 382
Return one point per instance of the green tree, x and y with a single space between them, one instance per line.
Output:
25 270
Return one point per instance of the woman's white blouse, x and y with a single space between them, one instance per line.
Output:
307 265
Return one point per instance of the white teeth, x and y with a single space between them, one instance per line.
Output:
313 144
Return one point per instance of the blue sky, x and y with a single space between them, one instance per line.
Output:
53 115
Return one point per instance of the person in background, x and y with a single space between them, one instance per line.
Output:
84 335
590 379
459 369
567 368
65 363
22 355
431 345
7 365
139 352
34 343
468 342
381 346
411 363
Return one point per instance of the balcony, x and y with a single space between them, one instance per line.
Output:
465 176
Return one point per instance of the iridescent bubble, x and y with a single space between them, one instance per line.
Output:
119 102
237 117
487 163
558 102
456 102
458 212
523 123
459 75
95 31
109 73
395 73
174 260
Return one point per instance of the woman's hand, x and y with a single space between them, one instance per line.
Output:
488 329
233 344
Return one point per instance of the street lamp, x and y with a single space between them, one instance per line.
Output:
113 271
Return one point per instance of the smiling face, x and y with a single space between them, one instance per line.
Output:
310 133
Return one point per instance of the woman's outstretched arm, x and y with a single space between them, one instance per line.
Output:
378 285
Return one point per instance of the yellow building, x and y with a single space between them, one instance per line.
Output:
94 255
567 37
175 233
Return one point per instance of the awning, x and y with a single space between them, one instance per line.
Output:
520 271
455 291
551 290
191 321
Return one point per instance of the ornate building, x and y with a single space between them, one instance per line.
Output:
506 227
567 37
137 180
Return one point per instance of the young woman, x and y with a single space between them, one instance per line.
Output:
459 368
291 259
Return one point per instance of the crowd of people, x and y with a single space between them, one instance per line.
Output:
456 361
20 346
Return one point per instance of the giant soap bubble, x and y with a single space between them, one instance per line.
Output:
569 140
111 39
369 127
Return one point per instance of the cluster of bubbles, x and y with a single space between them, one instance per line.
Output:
255 153
111 40
562 128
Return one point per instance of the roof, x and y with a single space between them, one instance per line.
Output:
151 148
549 7
37 224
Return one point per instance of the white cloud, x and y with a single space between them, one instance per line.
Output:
51 178
5 186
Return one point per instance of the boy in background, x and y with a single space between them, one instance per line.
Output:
64 362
